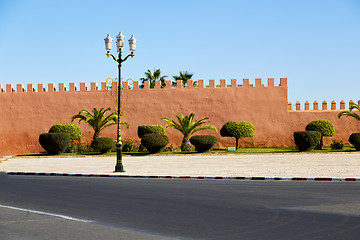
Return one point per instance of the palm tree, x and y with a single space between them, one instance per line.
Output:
97 119
187 126
184 77
152 77
350 112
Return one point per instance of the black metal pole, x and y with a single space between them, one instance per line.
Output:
119 166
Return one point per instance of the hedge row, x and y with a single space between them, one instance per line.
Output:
153 137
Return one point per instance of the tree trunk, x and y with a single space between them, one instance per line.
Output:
185 145
237 141
96 135
321 143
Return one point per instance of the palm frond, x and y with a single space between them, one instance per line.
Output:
187 126
350 114
97 119
209 127
354 106
111 117
78 116
152 77
125 124
172 123
184 76
108 124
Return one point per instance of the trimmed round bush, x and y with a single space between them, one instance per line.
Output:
154 142
325 127
306 140
203 143
103 144
54 143
150 129
354 139
72 129
237 130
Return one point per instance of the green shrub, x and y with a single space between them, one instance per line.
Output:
325 127
84 148
203 143
169 148
154 142
149 129
72 129
354 139
142 148
102 144
54 143
306 140
128 146
337 145
237 130
72 147
76 147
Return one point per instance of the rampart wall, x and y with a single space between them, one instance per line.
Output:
26 113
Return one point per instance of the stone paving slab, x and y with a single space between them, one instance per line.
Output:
306 165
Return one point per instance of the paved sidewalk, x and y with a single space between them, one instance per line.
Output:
304 165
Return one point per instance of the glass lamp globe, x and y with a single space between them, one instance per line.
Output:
108 42
120 42
132 43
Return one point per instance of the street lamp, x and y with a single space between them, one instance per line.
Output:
120 45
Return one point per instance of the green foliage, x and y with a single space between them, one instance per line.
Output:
72 129
169 148
142 148
350 112
184 77
103 144
237 130
129 146
203 143
76 147
337 145
187 126
97 120
152 77
54 143
325 127
306 140
354 139
154 142
149 129
84 148
72 147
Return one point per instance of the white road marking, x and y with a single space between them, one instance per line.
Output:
48 214
90 221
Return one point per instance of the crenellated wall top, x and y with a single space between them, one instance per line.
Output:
315 106
83 87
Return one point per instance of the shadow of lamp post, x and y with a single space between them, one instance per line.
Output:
119 45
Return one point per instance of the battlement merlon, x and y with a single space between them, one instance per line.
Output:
9 88
324 106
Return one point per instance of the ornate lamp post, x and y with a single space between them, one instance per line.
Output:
120 45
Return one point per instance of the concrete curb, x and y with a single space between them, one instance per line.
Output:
187 177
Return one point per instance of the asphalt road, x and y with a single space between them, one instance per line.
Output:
107 208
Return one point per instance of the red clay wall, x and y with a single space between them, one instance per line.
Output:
27 114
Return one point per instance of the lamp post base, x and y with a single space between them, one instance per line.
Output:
119 168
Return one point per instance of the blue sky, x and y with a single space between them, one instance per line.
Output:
315 44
